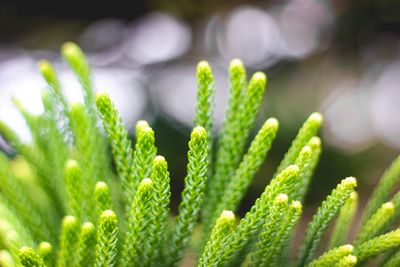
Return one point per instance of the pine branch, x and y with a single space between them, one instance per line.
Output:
29 258
347 261
87 154
86 245
325 214
376 223
192 195
68 240
308 171
140 235
160 177
276 231
107 239
205 103
228 150
45 251
332 256
383 190
306 132
73 183
250 164
119 140
250 225
145 151
344 222
220 238
103 198
76 59
377 245
393 261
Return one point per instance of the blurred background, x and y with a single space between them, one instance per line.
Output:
339 57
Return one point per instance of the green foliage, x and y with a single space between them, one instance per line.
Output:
325 213
141 229
332 256
68 238
347 261
192 195
61 188
377 245
376 223
29 257
383 190
107 238
220 238
275 232
205 102
344 221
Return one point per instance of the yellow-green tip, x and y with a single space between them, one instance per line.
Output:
45 248
272 122
70 49
282 198
354 196
199 132
159 160
388 206
142 124
297 205
350 181
317 117
108 215
315 141
100 186
72 164
102 97
226 217
146 183
349 248
203 66
236 63
69 221
87 227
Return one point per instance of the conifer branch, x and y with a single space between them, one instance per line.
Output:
140 234
161 179
325 214
192 195
377 245
376 223
382 191
145 151
29 258
344 221
255 218
119 140
103 198
205 103
347 261
276 231
332 256
250 164
73 184
86 245
393 261
107 238
220 238
68 239
45 251
306 132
